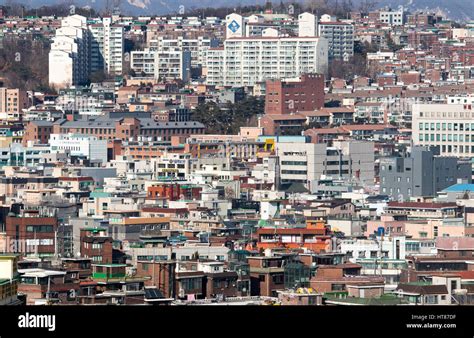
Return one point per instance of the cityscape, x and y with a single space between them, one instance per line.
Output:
318 153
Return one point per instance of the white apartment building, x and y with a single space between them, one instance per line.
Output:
340 36
198 47
107 46
79 145
69 55
307 24
388 247
394 18
215 65
460 99
245 61
449 126
169 65
79 49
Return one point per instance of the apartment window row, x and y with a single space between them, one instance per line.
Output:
446 137
446 126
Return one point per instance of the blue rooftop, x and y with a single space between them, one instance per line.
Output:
460 188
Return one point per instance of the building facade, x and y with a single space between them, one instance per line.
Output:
305 93
448 126
422 173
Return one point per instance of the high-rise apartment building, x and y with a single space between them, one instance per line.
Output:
107 46
244 61
78 49
198 47
340 36
69 57
307 24
169 65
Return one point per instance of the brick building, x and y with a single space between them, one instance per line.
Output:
37 132
32 233
95 244
160 274
266 275
294 95
126 127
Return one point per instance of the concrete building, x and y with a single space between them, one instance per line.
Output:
86 146
69 57
107 46
340 37
307 162
391 17
9 279
197 47
235 26
85 100
245 61
448 126
162 65
307 24
422 173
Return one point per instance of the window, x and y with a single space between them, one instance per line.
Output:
337 287
277 279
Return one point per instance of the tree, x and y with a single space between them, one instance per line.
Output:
227 118
24 63
97 77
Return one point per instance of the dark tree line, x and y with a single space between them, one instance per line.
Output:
62 9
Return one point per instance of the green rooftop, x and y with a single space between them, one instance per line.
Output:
386 299
99 193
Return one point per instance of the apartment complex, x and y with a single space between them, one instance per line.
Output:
245 61
162 65
340 37
198 47
78 49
